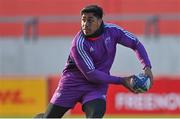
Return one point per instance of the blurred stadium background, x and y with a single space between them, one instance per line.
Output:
35 38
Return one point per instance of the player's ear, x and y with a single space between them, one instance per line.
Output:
99 21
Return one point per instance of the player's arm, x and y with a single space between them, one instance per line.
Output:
129 40
85 64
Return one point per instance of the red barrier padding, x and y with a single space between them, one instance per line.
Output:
162 98
52 84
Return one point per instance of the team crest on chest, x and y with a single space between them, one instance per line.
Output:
91 49
107 40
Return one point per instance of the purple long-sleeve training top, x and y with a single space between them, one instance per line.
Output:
90 60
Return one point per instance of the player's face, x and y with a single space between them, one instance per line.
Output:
90 23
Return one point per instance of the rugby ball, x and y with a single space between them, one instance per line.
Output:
140 82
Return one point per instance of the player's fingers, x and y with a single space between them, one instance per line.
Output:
126 84
149 73
131 89
134 91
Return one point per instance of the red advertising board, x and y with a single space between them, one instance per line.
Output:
162 98
52 85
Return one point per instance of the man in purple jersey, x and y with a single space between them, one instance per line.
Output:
86 75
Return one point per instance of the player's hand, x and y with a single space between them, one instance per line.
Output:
148 72
126 84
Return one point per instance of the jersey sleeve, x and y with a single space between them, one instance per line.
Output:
127 39
85 64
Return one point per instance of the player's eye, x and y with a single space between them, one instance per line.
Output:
90 20
83 20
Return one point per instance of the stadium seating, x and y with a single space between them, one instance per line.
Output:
14 14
